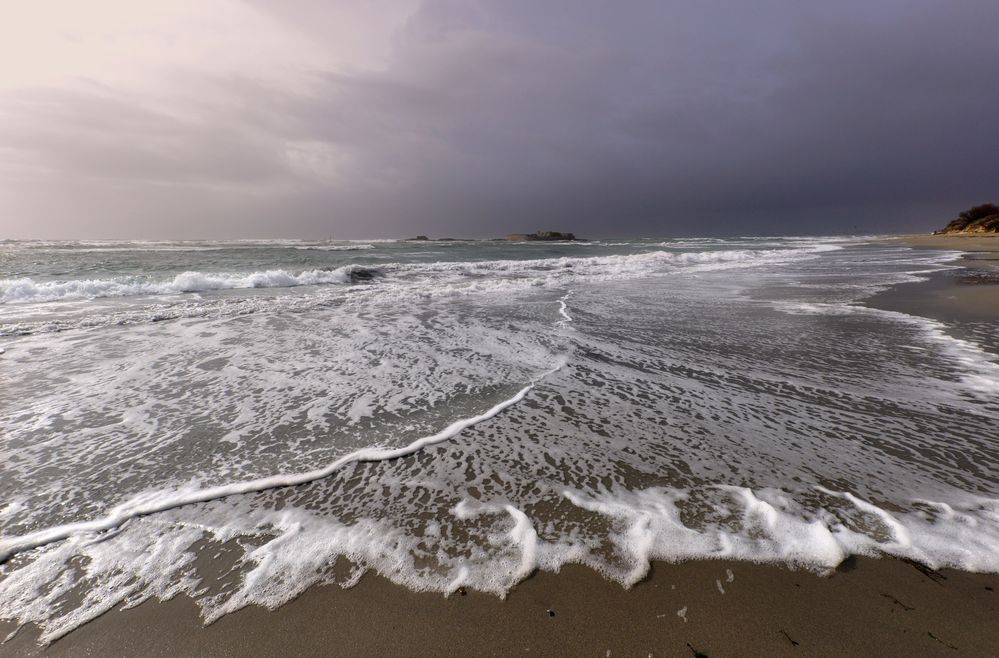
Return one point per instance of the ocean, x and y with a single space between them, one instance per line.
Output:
238 421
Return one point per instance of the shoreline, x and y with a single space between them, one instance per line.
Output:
968 292
957 241
881 606
871 606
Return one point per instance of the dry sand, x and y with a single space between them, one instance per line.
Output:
983 243
883 607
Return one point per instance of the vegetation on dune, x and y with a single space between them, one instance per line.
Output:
983 218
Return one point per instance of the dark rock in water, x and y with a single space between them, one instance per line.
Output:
363 274
983 218
550 236
419 238
359 274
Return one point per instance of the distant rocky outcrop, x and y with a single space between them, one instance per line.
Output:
980 219
543 236
423 238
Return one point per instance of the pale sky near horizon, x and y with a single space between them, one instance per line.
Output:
303 118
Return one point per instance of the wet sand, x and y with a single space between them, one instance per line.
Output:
969 292
883 607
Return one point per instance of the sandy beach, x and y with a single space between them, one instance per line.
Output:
969 293
975 243
883 607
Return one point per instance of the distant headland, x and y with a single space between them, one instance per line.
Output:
980 219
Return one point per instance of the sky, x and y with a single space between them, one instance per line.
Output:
186 119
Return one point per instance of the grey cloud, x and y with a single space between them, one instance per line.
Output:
628 120
639 118
92 132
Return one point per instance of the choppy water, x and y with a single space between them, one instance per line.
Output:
460 414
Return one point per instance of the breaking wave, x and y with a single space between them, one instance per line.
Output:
29 290
550 270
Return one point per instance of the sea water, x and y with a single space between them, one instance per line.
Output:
238 421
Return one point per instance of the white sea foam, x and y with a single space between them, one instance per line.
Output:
409 279
152 502
28 290
336 247
152 558
693 418
557 272
563 308
978 368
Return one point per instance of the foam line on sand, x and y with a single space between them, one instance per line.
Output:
145 504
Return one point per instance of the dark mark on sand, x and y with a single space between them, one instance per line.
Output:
905 607
949 646
932 574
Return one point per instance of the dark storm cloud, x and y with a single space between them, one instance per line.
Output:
640 118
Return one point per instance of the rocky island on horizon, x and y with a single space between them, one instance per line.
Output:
537 236
541 236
